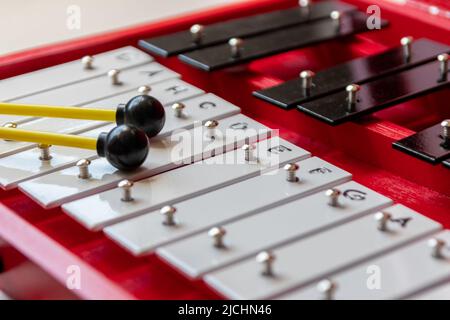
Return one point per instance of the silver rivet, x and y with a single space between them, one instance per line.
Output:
382 219
211 126
406 44
443 65
307 78
333 197
248 152
44 152
114 76
236 47
291 170
217 233
169 215
126 186
144 90
10 125
83 166
446 129
87 62
437 246
197 31
178 109
304 3
327 288
266 258
336 17
352 90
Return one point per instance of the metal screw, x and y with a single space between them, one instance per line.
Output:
211 126
168 212
217 233
10 125
178 109
437 246
304 3
443 65
382 219
266 258
352 90
144 90
291 170
87 62
446 129
248 152
336 17
236 47
327 288
114 76
45 152
406 44
83 166
333 196
126 186
197 31
307 77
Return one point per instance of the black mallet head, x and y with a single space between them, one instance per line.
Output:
144 112
125 147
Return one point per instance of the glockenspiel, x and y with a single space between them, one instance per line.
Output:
305 155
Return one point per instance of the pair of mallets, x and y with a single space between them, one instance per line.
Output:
125 146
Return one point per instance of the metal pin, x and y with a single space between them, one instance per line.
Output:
304 3
291 170
83 166
126 186
217 233
45 152
333 196
382 219
236 47
336 17
178 109
87 62
327 288
248 152
144 90
307 78
443 66
446 130
10 125
352 90
437 246
211 126
266 258
168 212
197 31
406 44
114 76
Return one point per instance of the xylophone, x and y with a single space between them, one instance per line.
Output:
315 160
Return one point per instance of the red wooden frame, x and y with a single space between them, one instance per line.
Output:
54 241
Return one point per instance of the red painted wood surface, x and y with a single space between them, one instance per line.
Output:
54 241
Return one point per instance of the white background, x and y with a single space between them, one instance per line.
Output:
30 23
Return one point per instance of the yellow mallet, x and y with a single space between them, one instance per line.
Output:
125 147
144 112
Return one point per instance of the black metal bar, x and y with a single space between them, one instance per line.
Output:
359 71
220 56
378 94
428 145
221 32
